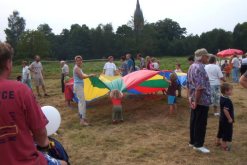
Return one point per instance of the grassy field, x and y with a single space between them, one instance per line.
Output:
52 69
149 135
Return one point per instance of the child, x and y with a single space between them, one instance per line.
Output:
68 92
149 65
227 70
178 70
171 91
117 112
155 64
18 78
226 117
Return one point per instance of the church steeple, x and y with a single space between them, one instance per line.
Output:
138 17
138 4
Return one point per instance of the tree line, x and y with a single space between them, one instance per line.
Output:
164 37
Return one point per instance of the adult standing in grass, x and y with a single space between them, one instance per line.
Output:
130 63
64 73
199 99
110 68
235 68
37 69
124 66
21 119
215 75
79 77
26 76
142 61
191 60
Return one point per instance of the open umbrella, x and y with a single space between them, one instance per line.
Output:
229 52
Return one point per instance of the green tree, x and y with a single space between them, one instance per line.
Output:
190 44
51 37
240 36
217 39
125 40
62 50
16 26
79 40
167 31
109 40
148 40
32 43
170 29
45 28
96 36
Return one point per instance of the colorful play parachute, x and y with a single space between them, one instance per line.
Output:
94 88
182 78
139 82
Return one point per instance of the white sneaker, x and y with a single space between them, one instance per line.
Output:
202 149
191 145
217 114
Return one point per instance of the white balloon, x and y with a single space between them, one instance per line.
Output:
54 118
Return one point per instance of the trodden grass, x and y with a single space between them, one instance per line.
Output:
149 135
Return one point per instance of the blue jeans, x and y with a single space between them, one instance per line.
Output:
50 160
27 82
235 72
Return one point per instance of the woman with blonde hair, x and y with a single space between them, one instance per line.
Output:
79 77
149 65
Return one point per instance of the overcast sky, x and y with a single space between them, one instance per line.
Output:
196 16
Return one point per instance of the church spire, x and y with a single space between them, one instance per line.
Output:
138 4
138 17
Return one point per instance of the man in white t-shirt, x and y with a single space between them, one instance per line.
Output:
235 68
26 76
37 69
109 67
215 75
